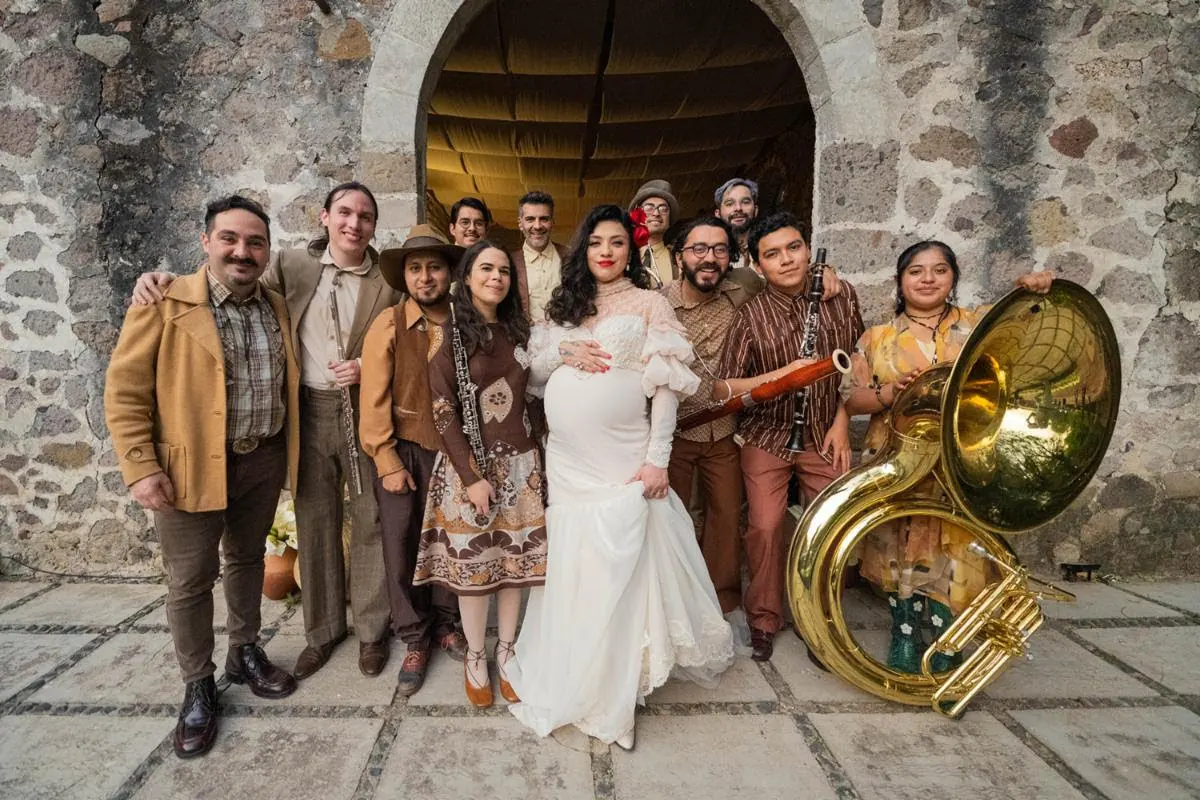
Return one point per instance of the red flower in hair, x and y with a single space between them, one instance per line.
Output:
641 234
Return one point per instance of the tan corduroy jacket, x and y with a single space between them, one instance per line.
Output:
164 398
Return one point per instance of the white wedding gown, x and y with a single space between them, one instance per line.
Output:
627 600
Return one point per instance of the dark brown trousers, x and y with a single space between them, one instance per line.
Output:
191 545
418 612
324 475
718 466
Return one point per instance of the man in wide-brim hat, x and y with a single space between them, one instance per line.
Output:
656 199
397 431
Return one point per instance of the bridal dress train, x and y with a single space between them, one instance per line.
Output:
627 600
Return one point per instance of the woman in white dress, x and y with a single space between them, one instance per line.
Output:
627 600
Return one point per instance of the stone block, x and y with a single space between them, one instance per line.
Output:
82 758
1096 600
741 683
809 684
1160 359
24 246
859 182
1126 753
1050 224
113 10
85 604
1071 265
1181 594
66 456
1126 286
1125 238
389 172
917 78
484 757
1183 275
1074 138
41 322
944 142
1059 668
12 591
1166 655
921 199
344 42
129 668
109 50
904 756
26 656
281 758
38 284
19 131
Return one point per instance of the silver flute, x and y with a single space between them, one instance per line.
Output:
356 484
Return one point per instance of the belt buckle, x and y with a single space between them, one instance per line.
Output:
245 445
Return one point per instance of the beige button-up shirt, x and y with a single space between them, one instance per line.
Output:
544 273
660 264
318 345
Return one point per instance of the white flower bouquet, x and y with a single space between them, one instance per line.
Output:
283 530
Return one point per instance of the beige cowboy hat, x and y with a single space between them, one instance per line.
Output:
656 188
422 237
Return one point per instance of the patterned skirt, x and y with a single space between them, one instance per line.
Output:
473 554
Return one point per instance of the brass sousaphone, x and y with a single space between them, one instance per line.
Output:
1013 431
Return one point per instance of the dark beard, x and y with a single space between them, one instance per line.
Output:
690 276
441 298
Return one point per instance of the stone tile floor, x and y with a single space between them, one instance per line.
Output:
1107 707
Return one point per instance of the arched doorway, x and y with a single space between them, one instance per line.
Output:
589 100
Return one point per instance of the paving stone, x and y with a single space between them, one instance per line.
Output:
25 656
272 758
741 683
85 604
808 683
1127 753
1177 593
271 611
76 758
12 591
861 608
338 683
129 668
923 755
1166 655
742 756
444 679
1061 668
463 758
1098 601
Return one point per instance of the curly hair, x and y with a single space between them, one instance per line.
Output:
574 299
509 313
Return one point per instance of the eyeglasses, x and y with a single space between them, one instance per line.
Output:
700 250
656 208
463 222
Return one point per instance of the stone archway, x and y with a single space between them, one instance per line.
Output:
832 45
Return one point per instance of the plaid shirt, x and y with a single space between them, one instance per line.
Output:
254 362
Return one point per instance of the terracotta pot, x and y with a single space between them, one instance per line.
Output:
296 574
277 575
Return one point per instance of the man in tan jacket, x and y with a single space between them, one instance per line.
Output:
201 402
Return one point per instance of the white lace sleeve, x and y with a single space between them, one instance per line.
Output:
543 350
663 406
667 352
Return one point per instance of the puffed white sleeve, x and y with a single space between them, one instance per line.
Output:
664 406
543 350
667 353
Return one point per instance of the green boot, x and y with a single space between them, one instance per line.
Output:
940 619
904 654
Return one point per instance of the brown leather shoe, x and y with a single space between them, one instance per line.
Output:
454 644
412 671
248 664
196 729
313 657
763 644
480 696
372 657
506 690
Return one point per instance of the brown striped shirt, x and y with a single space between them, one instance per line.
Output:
254 362
767 334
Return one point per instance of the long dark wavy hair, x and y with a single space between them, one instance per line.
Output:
912 252
474 327
318 245
574 300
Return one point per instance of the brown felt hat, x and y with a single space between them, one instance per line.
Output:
656 188
422 237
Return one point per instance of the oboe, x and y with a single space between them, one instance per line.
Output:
467 394
347 409
808 347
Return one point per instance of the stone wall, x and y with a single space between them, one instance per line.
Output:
1051 134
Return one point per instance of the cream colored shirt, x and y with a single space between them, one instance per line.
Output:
544 272
318 345
660 257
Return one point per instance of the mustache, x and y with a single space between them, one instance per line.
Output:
707 265
245 262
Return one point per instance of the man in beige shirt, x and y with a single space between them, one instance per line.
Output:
538 264
657 200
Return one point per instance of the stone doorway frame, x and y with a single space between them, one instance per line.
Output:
832 44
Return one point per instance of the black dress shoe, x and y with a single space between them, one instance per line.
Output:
762 644
196 729
248 664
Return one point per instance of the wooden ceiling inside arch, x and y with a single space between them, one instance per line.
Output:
589 100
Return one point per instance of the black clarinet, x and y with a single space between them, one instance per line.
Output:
808 348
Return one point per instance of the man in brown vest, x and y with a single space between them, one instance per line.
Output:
538 263
206 446
397 431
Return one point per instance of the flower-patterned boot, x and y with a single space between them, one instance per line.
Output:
904 654
940 619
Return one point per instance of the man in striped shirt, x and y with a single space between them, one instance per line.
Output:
764 343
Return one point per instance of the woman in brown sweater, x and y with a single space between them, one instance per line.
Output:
485 528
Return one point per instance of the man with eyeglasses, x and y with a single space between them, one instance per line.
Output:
705 300
469 222
657 200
